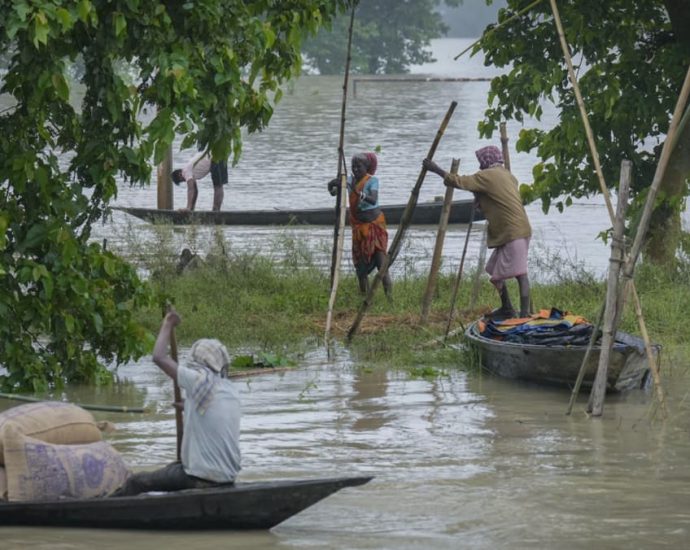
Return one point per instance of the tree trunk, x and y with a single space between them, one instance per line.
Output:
665 226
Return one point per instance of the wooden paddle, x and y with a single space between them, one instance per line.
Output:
176 389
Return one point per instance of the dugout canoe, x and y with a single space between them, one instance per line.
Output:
255 505
560 365
425 213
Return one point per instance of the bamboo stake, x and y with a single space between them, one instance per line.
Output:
341 201
438 247
613 297
583 367
402 229
494 29
164 187
592 147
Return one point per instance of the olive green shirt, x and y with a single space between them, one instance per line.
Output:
500 201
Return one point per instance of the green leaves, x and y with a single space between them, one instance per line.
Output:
146 70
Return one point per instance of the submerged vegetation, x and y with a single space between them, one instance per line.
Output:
275 303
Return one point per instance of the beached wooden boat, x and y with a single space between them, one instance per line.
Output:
425 213
559 365
256 505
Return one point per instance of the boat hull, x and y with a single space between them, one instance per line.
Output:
258 505
426 213
560 365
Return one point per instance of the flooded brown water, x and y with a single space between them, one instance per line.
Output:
463 460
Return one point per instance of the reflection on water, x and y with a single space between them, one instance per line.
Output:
462 460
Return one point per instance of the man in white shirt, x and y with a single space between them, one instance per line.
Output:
197 169
210 452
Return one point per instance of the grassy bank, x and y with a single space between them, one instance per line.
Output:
269 304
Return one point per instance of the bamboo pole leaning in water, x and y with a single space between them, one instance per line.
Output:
438 247
402 229
339 237
613 295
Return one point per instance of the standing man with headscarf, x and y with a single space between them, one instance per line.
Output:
210 453
369 233
509 230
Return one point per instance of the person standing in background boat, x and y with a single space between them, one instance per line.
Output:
509 230
210 451
197 169
369 233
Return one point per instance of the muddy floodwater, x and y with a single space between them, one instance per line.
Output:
463 460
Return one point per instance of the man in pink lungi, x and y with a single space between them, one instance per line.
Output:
509 230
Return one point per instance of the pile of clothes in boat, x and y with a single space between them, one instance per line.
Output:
547 327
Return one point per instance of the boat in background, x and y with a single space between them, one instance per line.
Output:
559 365
256 505
425 213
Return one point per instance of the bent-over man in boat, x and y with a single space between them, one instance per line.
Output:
509 230
210 452
198 168
368 223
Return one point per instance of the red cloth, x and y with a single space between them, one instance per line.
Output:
373 162
367 237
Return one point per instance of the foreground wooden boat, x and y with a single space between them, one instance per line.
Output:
425 213
257 505
560 365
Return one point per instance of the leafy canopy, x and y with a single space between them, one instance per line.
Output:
631 59
388 36
209 67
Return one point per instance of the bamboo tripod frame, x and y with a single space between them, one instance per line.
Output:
661 167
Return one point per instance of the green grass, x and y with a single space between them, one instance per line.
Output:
278 304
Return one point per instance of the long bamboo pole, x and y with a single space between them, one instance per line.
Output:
613 298
438 247
341 200
402 229
339 236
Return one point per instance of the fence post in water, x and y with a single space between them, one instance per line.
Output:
438 247
164 183
402 229
613 295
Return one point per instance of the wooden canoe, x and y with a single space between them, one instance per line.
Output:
560 365
256 505
425 213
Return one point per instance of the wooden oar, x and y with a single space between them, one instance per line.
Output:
404 223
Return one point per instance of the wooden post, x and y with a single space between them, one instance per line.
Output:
613 301
438 248
164 182
337 263
402 229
